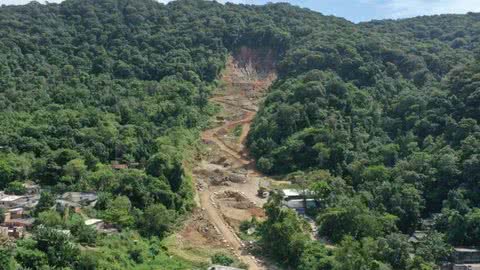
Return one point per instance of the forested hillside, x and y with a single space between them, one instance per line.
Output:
382 124
380 119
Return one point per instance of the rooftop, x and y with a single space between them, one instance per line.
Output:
92 221
468 266
311 203
11 198
466 250
119 166
290 192
295 192
18 209
27 221
79 197
67 203
417 236
220 267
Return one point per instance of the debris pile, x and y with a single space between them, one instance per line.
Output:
235 200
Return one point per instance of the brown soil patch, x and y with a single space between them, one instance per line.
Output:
234 199
200 231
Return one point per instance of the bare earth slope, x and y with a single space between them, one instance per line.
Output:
226 179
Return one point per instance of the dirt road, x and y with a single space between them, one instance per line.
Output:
211 135
243 87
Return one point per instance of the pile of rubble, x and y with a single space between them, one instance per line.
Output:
218 180
199 227
220 177
234 199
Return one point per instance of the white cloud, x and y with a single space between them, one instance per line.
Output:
409 8
22 2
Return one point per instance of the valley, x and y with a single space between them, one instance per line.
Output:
226 179
177 121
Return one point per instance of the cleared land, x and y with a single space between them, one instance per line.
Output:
226 179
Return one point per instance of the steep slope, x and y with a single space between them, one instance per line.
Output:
246 78
380 125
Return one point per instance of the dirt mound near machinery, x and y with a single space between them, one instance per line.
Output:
234 199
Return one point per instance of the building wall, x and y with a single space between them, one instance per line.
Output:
467 257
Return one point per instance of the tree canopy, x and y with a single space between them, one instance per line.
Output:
380 118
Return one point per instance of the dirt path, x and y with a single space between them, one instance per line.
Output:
211 135
227 232
239 98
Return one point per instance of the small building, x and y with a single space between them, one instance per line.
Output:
134 165
417 237
14 213
12 201
466 255
13 232
466 267
300 205
98 224
20 222
16 232
31 188
452 266
295 194
62 205
291 194
81 198
464 259
220 267
117 166
32 201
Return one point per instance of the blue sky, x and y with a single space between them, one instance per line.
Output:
361 10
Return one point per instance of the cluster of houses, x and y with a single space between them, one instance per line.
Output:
15 221
17 208
76 201
463 258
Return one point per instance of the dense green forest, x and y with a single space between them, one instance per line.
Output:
380 119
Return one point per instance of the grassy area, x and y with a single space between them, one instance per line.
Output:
128 250
197 256
166 262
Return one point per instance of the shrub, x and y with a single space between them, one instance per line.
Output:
222 259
